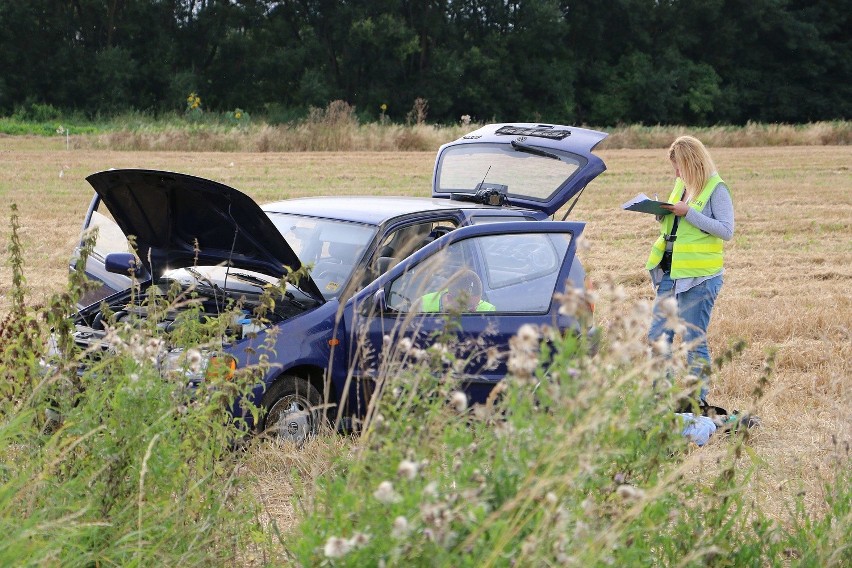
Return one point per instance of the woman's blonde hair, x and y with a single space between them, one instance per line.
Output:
694 162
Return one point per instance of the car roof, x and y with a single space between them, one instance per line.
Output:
373 210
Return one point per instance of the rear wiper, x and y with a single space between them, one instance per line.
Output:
531 150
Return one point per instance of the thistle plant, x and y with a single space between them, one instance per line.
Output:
135 468
576 458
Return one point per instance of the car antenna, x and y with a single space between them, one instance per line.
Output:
487 194
485 176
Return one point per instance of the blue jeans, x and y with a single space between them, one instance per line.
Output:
694 307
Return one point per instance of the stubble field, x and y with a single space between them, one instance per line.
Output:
787 281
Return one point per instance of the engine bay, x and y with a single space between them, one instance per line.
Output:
195 294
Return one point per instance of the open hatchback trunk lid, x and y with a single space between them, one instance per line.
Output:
535 166
180 220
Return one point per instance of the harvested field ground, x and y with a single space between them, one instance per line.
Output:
787 281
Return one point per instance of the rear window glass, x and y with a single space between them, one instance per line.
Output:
463 167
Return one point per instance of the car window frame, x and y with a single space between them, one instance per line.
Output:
385 230
364 301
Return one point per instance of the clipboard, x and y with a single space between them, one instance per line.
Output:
643 204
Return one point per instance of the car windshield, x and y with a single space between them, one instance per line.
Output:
332 248
524 169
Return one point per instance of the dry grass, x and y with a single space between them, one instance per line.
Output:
278 466
307 137
750 136
786 287
336 128
286 138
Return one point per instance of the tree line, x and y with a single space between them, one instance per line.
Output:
603 62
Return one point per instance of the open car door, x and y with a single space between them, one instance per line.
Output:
519 266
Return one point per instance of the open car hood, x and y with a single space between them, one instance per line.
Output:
534 166
180 220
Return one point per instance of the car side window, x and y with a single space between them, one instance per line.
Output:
510 259
515 273
110 237
402 242
429 279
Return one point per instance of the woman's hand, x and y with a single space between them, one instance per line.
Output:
680 208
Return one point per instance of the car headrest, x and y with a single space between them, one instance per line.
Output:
385 263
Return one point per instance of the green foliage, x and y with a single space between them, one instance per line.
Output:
580 462
576 459
540 60
107 460
239 118
36 112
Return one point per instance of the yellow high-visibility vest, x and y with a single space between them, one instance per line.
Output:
694 252
432 303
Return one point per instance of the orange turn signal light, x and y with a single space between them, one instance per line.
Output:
222 366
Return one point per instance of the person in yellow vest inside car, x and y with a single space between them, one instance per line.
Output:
462 294
686 260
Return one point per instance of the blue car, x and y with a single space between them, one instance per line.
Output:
484 247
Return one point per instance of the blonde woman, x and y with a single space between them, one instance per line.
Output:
686 261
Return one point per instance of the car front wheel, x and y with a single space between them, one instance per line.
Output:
292 411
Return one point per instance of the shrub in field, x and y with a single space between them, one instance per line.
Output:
117 464
337 127
330 128
37 112
574 460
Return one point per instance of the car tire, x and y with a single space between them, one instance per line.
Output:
292 410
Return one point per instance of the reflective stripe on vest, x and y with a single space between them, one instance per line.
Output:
694 252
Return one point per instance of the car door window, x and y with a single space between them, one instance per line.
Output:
514 259
517 274
402 242
109 239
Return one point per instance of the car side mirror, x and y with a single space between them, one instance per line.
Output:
123 263
379 303
375 304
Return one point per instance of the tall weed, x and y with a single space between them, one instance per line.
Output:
107 461
576 459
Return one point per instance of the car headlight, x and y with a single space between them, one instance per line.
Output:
193 365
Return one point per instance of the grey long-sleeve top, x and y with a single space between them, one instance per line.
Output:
717 218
